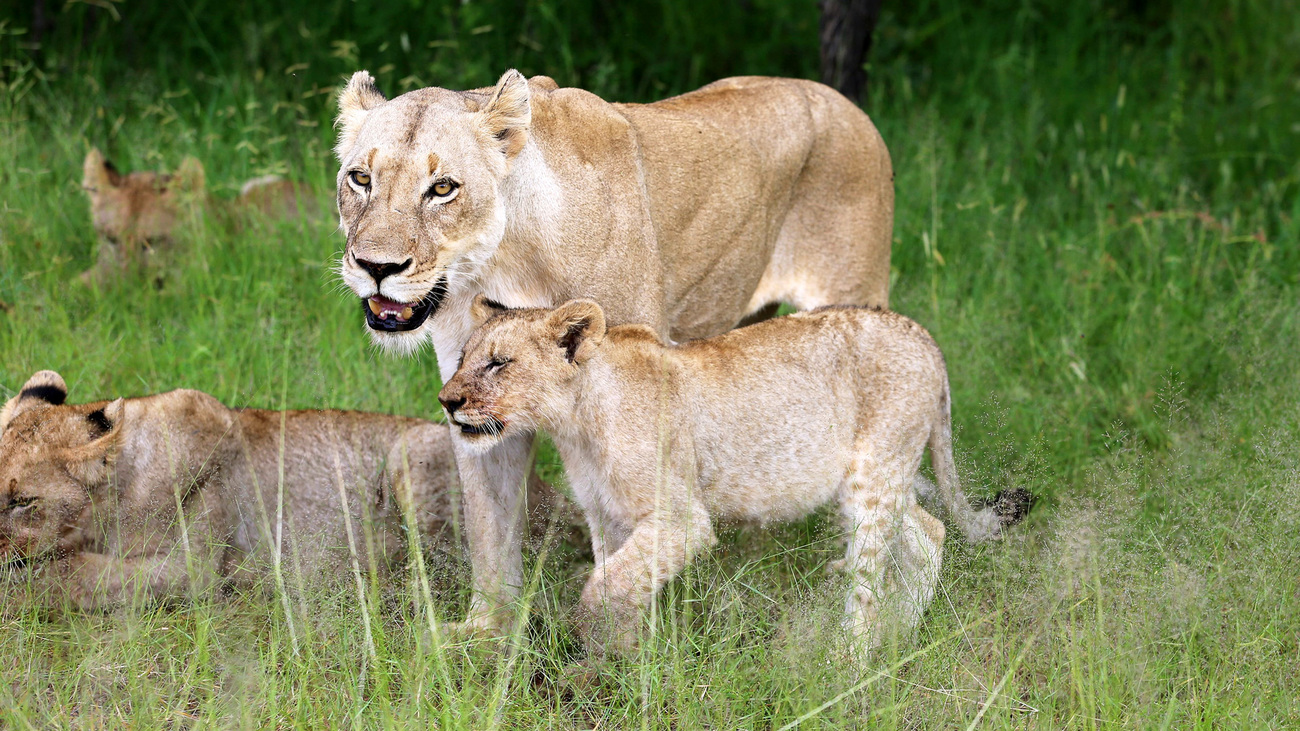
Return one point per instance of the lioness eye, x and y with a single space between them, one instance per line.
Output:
443 188
360 178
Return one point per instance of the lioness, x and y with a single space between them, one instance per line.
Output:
687 214
136 213
161 495
761 424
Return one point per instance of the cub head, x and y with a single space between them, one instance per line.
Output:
53 456
520 368
420 193
142 206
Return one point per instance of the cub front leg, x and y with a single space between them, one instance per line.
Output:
624 585
492 485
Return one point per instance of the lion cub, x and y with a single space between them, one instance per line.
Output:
163 495
761 424
138 213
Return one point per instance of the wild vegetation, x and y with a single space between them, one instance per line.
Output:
1098 219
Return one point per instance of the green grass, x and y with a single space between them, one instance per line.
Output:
1098 218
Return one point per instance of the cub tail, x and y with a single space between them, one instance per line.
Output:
981 521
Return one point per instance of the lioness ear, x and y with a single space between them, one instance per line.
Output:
483 309
97 172
89 463
45 388
578 327
355 101
190 176
509 113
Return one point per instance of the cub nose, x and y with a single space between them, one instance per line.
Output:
379 270
451 404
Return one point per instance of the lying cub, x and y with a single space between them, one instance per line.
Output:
164 495
138 213
765 423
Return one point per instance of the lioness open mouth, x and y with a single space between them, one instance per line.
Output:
387 315
491 426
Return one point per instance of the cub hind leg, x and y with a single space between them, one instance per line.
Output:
878 504
915 558
873 501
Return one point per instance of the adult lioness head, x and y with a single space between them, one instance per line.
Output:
419 193
53 458
519 366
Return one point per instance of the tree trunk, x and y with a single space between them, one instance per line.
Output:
846 28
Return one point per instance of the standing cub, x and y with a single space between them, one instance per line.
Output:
162 495
761 424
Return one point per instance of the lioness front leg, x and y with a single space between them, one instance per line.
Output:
627 582
492 485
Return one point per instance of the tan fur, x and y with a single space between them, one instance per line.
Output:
96 509
687 215
137 214
766 423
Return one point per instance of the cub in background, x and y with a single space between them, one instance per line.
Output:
137 215
761 424
173 494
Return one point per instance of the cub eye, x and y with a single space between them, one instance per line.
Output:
19 503
497 364
442 188
359 178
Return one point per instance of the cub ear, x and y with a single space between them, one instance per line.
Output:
190 176
105 420
97 172
578 327
510 112
483 309
355 101
45 388
89 464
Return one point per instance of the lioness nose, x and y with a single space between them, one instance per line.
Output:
379 270
451 404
